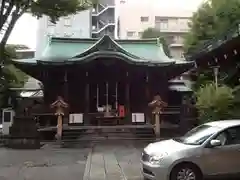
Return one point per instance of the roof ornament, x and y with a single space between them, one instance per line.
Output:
106 45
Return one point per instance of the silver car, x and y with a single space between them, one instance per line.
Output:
209 150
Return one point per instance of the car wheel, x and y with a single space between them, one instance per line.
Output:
186 172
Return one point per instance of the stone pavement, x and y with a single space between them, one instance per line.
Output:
100 162
43 164
118 162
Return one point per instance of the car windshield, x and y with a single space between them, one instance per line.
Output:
198 135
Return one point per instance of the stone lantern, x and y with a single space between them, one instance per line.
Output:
157 104
60 105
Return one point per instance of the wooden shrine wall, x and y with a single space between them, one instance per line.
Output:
77 84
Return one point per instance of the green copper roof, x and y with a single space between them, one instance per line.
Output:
65 50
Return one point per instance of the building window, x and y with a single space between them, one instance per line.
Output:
184 24
158 18
161 23
67 21
144 19
164 24
130 33
140 34
178 39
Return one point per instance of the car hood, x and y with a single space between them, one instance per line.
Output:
166 146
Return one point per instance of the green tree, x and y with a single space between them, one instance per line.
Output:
155 33
12 10
213 18
11 77
215 103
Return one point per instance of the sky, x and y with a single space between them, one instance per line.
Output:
25 31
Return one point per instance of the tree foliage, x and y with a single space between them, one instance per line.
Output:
11 77
155 33
213 18
215 103
12 10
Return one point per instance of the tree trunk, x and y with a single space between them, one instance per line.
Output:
15 17
1 13
5 16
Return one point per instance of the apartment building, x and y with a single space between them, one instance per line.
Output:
103 18
75 26
94 23
173 23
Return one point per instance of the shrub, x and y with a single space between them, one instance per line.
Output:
214 103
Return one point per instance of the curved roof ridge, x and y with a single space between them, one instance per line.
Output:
124 50
88 49
161 50
101 40
49 42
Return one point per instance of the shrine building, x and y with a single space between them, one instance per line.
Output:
105 79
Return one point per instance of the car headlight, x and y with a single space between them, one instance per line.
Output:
156 160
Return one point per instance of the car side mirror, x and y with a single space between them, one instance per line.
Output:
215 143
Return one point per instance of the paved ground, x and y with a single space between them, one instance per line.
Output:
100 162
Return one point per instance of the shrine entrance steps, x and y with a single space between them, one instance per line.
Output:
98 134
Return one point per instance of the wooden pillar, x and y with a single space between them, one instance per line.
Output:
44 78
148 114
87 93
65 86
127 93
157 124
59 127
147 90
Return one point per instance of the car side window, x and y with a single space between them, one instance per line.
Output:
230 136
222 137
